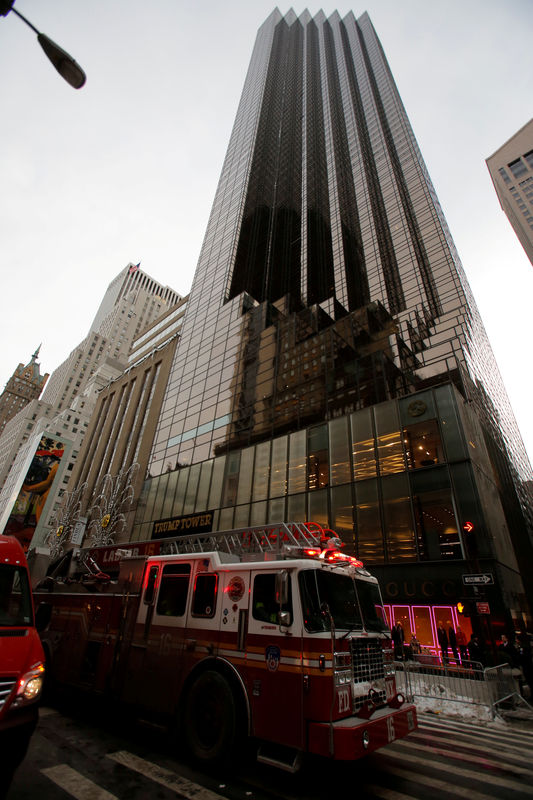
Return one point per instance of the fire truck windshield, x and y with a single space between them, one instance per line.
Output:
15 597
352 604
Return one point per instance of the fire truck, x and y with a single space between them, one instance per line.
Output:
270 635
21 659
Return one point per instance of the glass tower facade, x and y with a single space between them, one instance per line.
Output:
332 365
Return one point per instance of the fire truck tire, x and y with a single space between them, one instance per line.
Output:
210 719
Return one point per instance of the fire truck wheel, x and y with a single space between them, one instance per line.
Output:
210 719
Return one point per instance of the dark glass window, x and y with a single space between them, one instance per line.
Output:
363 445
436 524
369 535
423 444
150 585
504 175
317 459
518 168
172 600
389 439
339 450
204 598
265 607
15 597
319 589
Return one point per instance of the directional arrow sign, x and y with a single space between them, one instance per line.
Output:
482 579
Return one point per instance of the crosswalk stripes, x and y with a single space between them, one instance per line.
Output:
76 784
443 757
438 786
163 776
480 753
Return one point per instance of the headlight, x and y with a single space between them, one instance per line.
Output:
30 685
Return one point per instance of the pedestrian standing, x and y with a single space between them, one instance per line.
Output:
442 636
475 649
452 638
398 640
461 641
509 652
526 660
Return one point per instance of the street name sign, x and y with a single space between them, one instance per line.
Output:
480 579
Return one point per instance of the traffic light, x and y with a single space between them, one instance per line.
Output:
464 608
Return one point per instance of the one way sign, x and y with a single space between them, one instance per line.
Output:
481 579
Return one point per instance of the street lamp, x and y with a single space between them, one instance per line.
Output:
62 61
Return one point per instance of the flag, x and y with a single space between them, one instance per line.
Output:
134 268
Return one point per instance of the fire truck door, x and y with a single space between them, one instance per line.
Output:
156 656
275 673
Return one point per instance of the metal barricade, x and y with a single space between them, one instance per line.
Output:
457 687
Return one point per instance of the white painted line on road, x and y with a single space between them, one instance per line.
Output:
76 784
441 786
388 794
474 774
190 790
472 742
493 758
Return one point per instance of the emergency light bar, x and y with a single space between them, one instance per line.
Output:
324 554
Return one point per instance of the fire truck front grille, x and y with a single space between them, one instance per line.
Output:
6 687
368 671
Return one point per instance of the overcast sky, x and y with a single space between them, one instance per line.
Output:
125 169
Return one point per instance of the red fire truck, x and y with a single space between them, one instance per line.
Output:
21 659
271 634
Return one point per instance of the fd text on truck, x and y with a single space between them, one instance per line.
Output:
21 659
270 633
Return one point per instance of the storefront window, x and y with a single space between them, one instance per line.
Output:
363 445
398 519
203 486
168 504
369 536
342 514
296 511
245 475
297 462
339 451
216 482
261 471
389 439
318 507
436 525
278 473
317 459
192 488
229 495
423 444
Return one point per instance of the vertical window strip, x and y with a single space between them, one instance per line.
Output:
146 412
133 426
104 462
95 440
407 205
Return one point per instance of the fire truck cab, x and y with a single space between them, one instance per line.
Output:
261 633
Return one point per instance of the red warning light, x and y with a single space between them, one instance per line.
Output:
468 527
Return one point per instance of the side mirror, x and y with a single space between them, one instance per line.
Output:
284 618
282 587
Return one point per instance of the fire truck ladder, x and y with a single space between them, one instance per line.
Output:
251 541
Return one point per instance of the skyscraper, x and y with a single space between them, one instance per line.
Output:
133 301
511 170
25 385
333 366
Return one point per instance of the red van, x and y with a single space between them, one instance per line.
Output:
21 659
